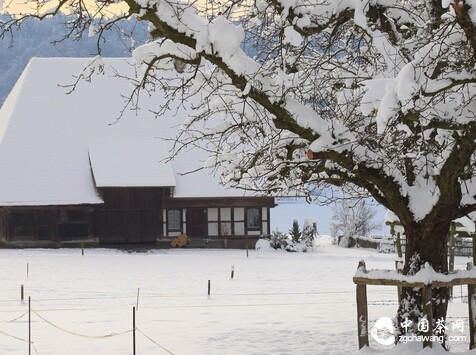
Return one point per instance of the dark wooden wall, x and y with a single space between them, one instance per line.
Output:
130 214
54 223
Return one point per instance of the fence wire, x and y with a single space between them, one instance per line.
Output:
155 342
110 335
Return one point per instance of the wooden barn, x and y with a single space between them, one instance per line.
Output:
71 173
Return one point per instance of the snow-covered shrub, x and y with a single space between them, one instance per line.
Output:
296 247
263 245
346 241
278 240
295 240
309 232
283 241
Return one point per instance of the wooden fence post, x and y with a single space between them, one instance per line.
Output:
398 243
399 269
428 313
451 261
29 325
474 247
362 311
133 330
472 316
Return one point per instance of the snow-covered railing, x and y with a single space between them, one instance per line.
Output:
426 279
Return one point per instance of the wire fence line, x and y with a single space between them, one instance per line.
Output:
17 318
153 341
42 307
186 295
13 336
109 335
20 339
89 336
39 314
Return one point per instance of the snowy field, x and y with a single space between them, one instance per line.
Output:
277 302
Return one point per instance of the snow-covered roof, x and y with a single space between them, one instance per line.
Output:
130 163
55 147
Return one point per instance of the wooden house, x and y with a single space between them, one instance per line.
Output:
70 173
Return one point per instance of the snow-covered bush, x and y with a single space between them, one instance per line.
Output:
279 240
296 247
346 241
263 245
295 240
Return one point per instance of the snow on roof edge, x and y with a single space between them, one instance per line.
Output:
51 203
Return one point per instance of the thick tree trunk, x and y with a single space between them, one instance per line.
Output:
424 244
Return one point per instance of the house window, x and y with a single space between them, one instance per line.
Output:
253 219
174 220
23 224
73 224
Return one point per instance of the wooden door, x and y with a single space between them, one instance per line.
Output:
197 222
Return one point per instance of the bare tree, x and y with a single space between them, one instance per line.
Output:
380 96
351 220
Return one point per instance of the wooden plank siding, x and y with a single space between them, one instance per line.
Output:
3 225
189 202
130 214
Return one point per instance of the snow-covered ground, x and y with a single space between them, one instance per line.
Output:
277 302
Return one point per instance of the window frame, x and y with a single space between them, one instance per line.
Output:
180 221
248 219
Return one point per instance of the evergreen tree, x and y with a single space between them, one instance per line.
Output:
295 231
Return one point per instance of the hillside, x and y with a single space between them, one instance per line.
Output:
44 39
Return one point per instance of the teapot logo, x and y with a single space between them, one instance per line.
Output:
382 331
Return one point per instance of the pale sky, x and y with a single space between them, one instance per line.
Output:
28 6
22 6
283 215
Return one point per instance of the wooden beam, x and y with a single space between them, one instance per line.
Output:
428 314
184 202
471 313
387 282
362 312
417 284
313 155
